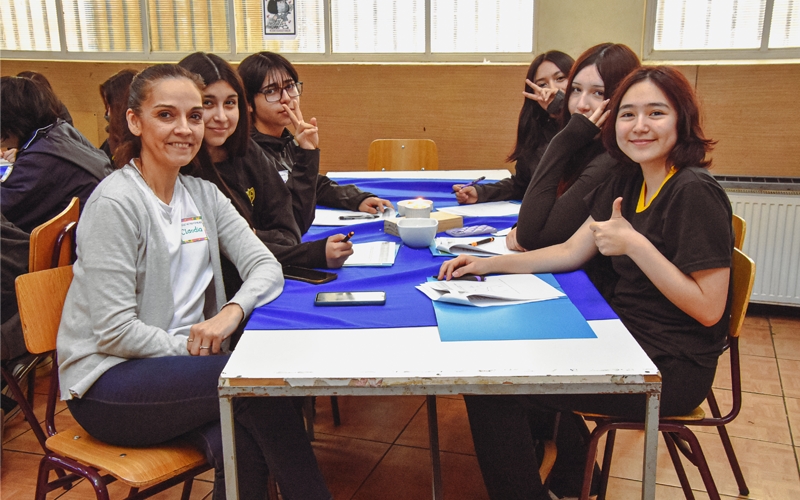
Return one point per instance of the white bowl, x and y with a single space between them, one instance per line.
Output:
417 233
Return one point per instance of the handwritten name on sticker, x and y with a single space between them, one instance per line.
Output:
192 230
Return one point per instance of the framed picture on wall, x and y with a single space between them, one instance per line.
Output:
280 19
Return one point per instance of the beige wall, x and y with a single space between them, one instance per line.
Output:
471 110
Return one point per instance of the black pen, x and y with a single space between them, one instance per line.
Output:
481 242
471 183
466 277
347 238
357 217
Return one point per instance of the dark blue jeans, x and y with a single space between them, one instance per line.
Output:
505 429
143 402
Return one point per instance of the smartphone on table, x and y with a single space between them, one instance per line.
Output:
308 275
350 299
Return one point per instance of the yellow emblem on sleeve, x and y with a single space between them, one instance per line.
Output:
251 194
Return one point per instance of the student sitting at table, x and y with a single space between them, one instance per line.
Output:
273 94
146 322
575 161
39 78
666 224
538 123
53 162
232 160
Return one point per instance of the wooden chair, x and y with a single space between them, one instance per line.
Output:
52 245
677 435
403 154
152 469
739 231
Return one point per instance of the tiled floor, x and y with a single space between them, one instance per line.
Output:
380 450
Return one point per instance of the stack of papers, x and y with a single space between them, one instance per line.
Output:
461 246
502 290
376 253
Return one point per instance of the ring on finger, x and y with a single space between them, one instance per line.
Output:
204 347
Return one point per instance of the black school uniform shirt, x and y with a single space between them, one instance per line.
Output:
689 222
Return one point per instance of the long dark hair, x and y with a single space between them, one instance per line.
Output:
114 92
613 61
27 106
142 84
692 145
212 68
254 69
532 118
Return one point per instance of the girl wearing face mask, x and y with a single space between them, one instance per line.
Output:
665 223
544 89
273 95
237 165
575 161
146 323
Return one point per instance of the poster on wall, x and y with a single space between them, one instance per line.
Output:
280 19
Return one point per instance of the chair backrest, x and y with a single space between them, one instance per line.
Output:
41 296
403 154
52 243
742 277
739 231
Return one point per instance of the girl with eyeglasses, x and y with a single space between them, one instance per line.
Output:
273 94
146 322
665 224
238 166
544 89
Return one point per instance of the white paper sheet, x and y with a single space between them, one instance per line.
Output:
461 246
502 290
375 253
327 217
491 209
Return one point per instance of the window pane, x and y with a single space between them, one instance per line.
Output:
103 25
29 25
709 24
189 25
481 26
310 29
785 29
378 26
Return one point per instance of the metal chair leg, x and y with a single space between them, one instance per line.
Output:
335 410
606 471
679 470
726 443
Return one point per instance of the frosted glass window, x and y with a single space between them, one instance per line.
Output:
310 29
103 25
378 26
189 25
785 29
29 25
481 26
709 24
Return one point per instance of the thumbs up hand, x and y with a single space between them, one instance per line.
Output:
613 236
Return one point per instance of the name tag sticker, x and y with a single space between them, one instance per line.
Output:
284 175
192 230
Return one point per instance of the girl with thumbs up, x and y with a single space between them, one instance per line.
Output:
666 225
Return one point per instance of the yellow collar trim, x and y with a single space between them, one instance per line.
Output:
641 206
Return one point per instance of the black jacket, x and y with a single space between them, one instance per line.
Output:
53 165
307 185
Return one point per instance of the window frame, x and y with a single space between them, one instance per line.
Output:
732 55
148 56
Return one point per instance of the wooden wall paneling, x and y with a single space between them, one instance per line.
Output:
469 111
752 111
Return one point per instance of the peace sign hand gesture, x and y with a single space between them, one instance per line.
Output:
544 96
306 134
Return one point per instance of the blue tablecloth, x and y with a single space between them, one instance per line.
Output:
405 305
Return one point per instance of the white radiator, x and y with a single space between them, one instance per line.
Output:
772 240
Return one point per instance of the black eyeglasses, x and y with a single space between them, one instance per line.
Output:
274 93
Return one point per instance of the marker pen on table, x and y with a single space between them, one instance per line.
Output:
481 242
470 183
466 277
347 238
357 217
